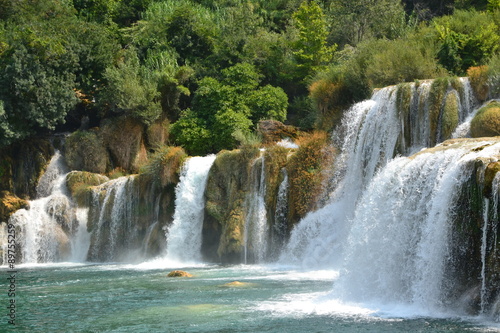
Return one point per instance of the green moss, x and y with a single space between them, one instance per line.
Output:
449 119
487 121
79 184
437 93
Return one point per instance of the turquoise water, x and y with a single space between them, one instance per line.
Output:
141 298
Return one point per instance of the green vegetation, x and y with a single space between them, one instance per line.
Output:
487 121
211 70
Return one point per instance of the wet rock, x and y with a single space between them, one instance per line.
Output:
178 273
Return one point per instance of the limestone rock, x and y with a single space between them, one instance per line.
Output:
123 137
85 151
79 183
178 273
273 131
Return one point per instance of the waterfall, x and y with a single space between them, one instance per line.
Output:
184 235
484 244
280 214
45 227
372 133
256 229
80 243
398 243
113 215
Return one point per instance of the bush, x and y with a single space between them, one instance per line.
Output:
307 173
478 77
165 165
487 121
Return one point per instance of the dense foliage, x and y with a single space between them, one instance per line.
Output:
213 69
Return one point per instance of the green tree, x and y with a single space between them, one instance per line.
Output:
356 20
468 38
127 91
310 49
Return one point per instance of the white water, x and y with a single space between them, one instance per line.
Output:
398 242
280 214
184 235
80 243
371 133
256 229
114 228
41 236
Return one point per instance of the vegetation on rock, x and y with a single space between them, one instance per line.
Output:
487 121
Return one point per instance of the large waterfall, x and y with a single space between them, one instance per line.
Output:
184 235
372 133
399 240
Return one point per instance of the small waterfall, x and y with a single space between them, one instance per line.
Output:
280 214
80 243
398 242
114 207
256 229
484 244
184 235
45 228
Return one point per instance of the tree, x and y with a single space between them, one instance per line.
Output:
356 20
467 38
310 50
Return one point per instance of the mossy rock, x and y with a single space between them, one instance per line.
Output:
449 119
123 137
85 151
9 204
487 121
178 273
79 183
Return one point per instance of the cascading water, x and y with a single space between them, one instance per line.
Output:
280 214
45 228
114 226
371 134
256 229
398 244
184 235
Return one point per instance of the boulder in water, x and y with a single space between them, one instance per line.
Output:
238 284
178 273
487 121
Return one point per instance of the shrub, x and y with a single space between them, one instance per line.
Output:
478 77
487 121
307 173
165 165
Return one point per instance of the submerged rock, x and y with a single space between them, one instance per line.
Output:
238 284
178 273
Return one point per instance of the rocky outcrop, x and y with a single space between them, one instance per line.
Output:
227 187
273 131
9 203
22 164
79 184
124 139
85 151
